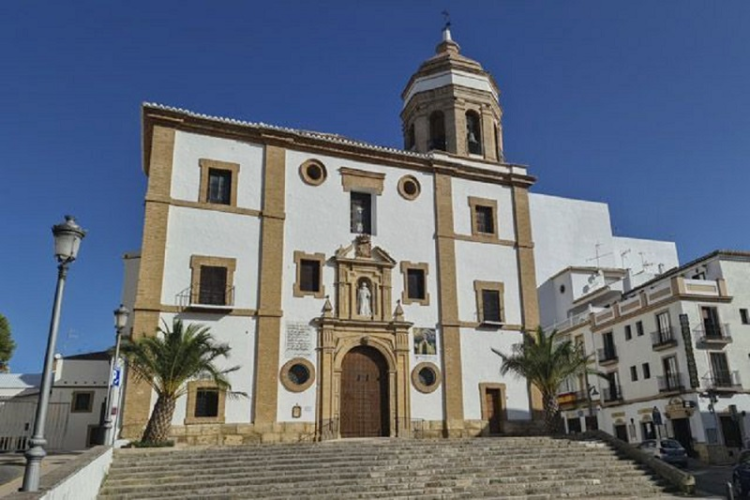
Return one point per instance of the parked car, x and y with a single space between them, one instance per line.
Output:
668 450
741 475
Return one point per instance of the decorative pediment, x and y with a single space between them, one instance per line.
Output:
362 252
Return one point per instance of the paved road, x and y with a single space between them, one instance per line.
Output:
711 479
12 467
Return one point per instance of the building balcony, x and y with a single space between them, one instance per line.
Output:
714 335
196 298
570 399
724 381
607 356
663 339
611 394
670 382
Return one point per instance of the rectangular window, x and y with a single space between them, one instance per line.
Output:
484 219
639 328
415 284
82 402
744 317
219 186
634 373
711 324
663 324
309 275
720 370
213 285
646 371
628 332
361 213
609 345
207 403
491 305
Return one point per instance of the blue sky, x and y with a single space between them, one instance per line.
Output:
641 104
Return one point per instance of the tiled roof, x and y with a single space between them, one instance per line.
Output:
334 138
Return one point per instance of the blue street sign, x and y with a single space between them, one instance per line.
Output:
116 378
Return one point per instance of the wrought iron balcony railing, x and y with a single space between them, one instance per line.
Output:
670 382
723 380
713 334
607 355
663 339
206 298
611 394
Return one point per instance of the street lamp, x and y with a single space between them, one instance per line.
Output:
68 236
121 319
591 392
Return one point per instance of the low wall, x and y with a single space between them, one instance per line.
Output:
680 479
77 479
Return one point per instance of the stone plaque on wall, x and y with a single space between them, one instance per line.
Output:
299 337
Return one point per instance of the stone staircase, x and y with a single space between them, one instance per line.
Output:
513 468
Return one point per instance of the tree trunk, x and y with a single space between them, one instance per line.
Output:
159 424
551 414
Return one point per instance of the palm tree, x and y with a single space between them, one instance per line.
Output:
546 362
167 361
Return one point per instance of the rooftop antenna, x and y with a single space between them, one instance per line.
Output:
622 257
598 256
644 263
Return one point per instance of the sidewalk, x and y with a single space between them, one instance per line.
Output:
12 468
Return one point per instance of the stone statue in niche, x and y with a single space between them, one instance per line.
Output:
364 300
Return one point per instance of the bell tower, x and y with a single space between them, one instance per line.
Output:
452 104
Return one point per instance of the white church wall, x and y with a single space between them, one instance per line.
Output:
216 234
480 365
463 189
190 148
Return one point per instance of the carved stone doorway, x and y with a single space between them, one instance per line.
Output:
364 394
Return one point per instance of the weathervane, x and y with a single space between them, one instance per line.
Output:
447 17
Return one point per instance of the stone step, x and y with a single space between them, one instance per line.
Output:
355 483
364 454
369 470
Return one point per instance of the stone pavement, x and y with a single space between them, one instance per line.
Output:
12 467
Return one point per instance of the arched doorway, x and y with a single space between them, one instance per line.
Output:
364 393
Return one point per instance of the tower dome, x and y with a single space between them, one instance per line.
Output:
452 104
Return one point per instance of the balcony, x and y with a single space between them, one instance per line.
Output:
724 381
714 335
611 394
571 398
671 382
204 299
663 339
607 356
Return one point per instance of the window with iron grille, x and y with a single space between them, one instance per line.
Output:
491 306
361 213
309 275
219 186
207 403
415 284
213 285
485 219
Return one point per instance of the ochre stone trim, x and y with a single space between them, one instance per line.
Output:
271 281
475 202
217 207
320 258
453 399
73 400
417 382
192 398
483 387
159 141
288 384
307 166
361 180
403 187
165 308
477 324
405 299
479 287
206 164
488 239
198 261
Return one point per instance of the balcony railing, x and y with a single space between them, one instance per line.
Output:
607 355
611 394
663 339
713 334
670 382
197 298
724 380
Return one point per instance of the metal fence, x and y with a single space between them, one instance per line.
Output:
17 424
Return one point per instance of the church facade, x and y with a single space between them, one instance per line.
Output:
361 288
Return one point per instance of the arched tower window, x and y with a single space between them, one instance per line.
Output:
411 138
437 131
473 133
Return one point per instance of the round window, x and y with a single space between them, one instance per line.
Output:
409 188
313 172
299 374
427 377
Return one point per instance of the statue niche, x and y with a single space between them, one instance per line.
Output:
363 287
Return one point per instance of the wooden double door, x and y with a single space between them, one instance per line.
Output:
364 394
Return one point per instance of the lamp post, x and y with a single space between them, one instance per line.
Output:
591 392
121 319
68 236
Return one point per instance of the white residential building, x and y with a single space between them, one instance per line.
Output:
674 349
